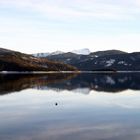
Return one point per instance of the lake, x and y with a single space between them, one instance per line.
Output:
70 106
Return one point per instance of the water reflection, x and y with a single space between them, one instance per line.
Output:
114 82
84 83
38 112
32 115
17 82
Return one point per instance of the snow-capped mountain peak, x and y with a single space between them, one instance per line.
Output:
84 51
56 53
80 52
47 54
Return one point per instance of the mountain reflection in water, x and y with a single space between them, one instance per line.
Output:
114 82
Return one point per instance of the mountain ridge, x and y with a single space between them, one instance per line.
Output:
16 61
84 51
114 60
109 60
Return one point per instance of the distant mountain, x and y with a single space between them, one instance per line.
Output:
42 55
81 52
16 61
108 52
102 60
115 62
56 53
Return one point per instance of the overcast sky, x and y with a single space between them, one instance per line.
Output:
48 25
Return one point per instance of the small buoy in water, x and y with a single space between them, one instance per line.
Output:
56 104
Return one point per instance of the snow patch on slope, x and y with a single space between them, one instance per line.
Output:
110 62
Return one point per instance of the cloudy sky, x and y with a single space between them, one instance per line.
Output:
48 25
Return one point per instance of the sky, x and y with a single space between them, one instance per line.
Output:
32 26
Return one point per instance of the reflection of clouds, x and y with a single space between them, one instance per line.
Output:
127 99
79 132
98 131
123 105
128 103
31 115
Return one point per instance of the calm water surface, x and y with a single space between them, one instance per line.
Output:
70 107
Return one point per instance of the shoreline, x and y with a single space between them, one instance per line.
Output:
64 72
